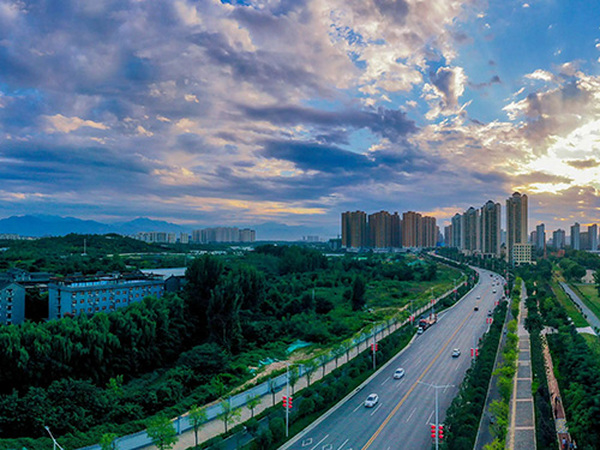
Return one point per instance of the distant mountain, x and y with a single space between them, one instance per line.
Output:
45 225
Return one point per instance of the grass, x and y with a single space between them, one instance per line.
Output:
590 296
577 318
593 343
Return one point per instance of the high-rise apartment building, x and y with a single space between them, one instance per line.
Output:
540 237
411 229
593 236
380 230
516 223
429 232
12 303
575 238
490 220
558 239
396 230
470 234
457 231
584 242
448 236
354 229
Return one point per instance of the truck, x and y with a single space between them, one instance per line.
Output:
425 322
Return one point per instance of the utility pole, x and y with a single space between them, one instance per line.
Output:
374 348
287 393
437 420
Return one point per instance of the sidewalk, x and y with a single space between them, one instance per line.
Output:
521 433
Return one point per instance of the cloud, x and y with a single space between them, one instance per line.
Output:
61 124
583 163
447 85
541 75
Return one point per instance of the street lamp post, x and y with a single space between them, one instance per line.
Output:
437 421
56 444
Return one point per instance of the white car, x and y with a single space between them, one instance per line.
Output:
494 291
371 400
456 353
478 297
399 373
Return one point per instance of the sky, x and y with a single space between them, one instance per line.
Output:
241 112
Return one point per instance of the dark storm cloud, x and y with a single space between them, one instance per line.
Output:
583 163
312 156
388 123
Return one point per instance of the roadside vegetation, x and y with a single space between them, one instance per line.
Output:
89 377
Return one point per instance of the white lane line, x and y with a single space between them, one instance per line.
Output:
386 380
345 442
376 409
356 409
457 367
317 444
430 416
411 414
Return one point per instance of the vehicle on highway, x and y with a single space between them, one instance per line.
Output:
478 297
494 291
399 373
371 400
476 308
456 353
425 322
489 313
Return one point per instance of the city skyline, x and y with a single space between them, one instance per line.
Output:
251 111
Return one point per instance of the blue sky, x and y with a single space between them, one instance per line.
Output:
234 113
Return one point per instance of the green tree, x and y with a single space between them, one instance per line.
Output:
252 401
294 376
597 280
224 315
229 415
218 387
272 385
358 293
197 418
338 352
161 431
202 276
309 368
108 441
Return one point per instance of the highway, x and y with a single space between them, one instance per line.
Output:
407 406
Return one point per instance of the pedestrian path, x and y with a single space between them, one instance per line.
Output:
521 434
587 312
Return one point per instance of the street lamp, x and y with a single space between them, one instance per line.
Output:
56 444
437 423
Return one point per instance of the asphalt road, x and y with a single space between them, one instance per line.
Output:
407 406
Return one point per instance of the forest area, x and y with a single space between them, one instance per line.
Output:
86 376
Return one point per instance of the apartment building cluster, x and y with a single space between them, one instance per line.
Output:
478 231
577 240
223 234
383 230
204 236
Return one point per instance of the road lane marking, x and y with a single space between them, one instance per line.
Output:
411 414
317 444
375 410
386 380
327 447
356 409
306 442
344 443
397 407
430 416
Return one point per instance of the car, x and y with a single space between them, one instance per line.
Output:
476 308
478 297
489 313
399 373
494 291
456 353
420 330
371 400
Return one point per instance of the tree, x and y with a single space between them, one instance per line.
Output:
337 352
597 280
252 401
224 315
202 276
294 376
229 415
347 346
197 417
107 441
309 368
218 387
272 385
358 293
161 431
323 360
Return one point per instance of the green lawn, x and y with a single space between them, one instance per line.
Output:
567 303
590 296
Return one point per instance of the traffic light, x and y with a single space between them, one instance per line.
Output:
290 403
477 352
432 431
471 352
441 432
374 347
284 401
